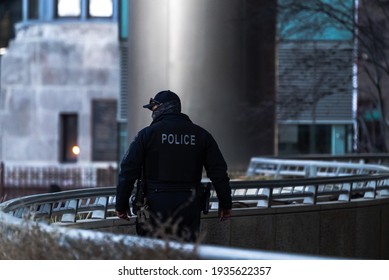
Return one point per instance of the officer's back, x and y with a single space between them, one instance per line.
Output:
175 150
169 155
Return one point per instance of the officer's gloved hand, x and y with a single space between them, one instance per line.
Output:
224 214
125 215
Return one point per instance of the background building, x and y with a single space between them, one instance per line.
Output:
60 84
316 88
264 77
373 76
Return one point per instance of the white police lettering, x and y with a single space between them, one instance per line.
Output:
178 139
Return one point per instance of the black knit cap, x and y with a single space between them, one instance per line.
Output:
162 97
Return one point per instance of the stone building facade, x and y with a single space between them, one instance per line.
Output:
59 87
59 84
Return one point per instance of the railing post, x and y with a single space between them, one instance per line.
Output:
310 171
2 192
265 202
347 196
313 191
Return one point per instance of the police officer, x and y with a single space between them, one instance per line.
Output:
170 155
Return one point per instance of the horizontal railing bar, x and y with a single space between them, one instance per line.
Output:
13 204
309 168
378 157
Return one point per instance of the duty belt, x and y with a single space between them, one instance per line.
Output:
172 188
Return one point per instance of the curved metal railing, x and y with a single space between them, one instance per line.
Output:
334 181
329 185
281 168
98 203
363 158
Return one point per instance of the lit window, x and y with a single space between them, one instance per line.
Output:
100 8
69 8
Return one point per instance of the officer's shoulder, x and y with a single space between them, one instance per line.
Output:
202 130
145 132
141 134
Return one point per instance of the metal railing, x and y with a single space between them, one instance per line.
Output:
88 204
363 158
19 179
294 168
98 203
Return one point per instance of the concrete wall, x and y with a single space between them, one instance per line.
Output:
355 230
348 230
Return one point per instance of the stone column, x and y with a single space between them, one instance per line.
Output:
219 57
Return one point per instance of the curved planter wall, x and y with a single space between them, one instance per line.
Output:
351 230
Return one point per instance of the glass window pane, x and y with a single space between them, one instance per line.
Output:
316 20
123 23
69 8
100 8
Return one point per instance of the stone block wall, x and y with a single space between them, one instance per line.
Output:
357 230
51 69
346 230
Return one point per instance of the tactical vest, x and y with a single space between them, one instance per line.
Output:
175 151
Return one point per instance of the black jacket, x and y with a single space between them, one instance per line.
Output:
173 151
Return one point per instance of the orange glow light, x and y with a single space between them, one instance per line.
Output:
76 150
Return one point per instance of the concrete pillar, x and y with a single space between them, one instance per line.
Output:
219 57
